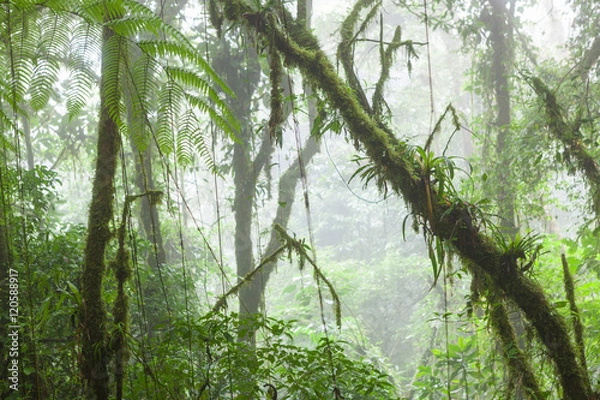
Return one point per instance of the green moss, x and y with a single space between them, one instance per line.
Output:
520 369
575 314
568 134
122 269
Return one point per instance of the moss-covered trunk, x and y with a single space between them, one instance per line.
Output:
447 219
95 355
568 133
522 379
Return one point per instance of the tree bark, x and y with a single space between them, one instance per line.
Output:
95 355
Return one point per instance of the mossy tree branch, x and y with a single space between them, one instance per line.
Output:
447 221
345 50
569 135
289 245
519 366
575 314
520 369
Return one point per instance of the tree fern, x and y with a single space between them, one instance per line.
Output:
141 88
53 46
112 56
187 82
169 102
20 35
84 50
188 129
169 78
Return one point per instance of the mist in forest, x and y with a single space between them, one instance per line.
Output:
349 199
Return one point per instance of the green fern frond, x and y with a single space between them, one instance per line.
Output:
191 142
85 49
45 75
146 78
20 82
187 130
98 12
169 103
141 87
203 149
133 26
55 30
190 79
226 122
111 60
167 49
81 81
135 8
146 21
20 37
51 49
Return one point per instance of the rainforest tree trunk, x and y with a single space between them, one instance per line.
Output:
95 354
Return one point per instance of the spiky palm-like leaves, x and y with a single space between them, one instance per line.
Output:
45 38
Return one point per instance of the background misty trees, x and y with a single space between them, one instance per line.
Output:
454 199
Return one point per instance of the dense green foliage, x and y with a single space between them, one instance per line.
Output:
446 245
